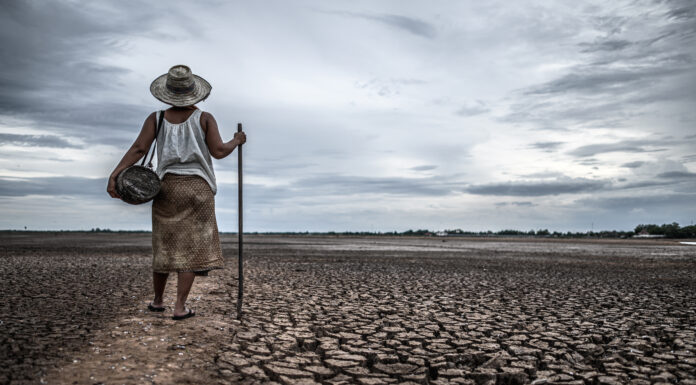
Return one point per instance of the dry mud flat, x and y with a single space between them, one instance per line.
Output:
354 310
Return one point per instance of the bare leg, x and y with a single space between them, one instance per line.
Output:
183 286
159 281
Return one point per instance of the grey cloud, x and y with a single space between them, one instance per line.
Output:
52 73
675 201
683 10
566 185
618 75
642 184
635 164
41 44
635 146
676 175
553 116
256 195
351 185
610 25
539 188
473 109
36 141
588 161
516 203
606 45
269 167
52 186
546 146
408 24
112 123
341 186
415 26
600 80
425 167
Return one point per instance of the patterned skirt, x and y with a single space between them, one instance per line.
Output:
184 230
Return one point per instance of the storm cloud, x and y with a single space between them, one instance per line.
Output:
355 185
631 202
634 146
677 175
538 188
546 146
635 164
36 141
515 203
425 167
409 24
363 115
631 68
52 186
53 73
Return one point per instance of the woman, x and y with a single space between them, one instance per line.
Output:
185 237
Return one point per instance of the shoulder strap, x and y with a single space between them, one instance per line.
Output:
154 142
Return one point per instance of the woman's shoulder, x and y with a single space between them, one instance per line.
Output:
205 120
206 117
152 118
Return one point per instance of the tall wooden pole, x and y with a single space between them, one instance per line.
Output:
240 234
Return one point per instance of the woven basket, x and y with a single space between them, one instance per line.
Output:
137 184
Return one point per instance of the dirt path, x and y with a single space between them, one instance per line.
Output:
147 347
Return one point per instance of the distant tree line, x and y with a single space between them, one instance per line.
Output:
542 233
672 230
98 230
463 233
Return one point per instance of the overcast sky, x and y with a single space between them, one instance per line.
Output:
363 115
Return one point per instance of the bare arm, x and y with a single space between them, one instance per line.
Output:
136 151
219 149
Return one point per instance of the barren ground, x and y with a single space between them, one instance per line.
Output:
352 310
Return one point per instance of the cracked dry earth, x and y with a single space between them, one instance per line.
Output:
360 310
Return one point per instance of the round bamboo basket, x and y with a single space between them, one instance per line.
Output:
137 184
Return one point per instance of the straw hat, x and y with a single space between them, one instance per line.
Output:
179 87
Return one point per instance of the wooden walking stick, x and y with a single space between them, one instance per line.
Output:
240 286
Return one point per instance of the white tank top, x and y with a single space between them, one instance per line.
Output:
182 150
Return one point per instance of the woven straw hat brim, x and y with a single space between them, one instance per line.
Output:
201 90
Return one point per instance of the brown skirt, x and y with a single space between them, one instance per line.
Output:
184 230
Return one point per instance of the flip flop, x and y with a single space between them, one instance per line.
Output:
150 307
187 315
